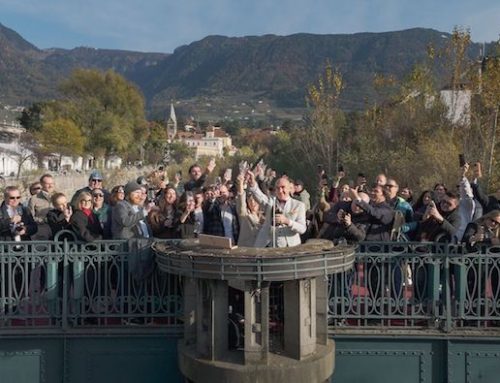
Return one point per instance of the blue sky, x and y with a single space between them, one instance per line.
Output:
163 25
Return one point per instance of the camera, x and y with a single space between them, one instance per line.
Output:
341 214
151 196
277 210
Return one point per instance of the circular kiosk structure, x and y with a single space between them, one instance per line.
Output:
281 333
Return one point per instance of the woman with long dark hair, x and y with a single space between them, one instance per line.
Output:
186 216
163 218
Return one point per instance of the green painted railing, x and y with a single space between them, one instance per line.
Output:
66 285
420 286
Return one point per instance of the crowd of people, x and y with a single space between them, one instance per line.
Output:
257 208
260 208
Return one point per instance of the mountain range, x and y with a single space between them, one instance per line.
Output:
225 77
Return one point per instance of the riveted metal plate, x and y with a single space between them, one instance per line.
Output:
22 367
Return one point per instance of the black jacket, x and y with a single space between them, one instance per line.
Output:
434 231
57 222
6 228
489 203
380 219
85 229
335 230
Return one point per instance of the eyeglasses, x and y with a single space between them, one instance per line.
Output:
97 195
14 197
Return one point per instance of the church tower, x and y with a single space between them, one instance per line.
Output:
172 123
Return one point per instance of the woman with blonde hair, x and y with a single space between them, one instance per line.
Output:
250 216
483 231
84 222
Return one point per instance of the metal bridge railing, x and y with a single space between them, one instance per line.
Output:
418 286
67 285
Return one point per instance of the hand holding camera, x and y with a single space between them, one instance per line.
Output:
280 219
16 219
279 216
434 212
347 221
463 164
344 218
427 214
18 230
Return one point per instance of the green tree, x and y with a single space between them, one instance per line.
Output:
31 118
154 148
60 136
108 109
179 151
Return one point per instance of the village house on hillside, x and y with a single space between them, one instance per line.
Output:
213 142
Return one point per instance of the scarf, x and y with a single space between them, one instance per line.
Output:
88 213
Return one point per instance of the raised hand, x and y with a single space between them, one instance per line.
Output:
211 165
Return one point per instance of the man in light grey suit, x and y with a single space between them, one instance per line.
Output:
289 215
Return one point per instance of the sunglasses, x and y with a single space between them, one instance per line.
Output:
97 195
95 180
13 198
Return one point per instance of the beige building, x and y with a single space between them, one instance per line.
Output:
211 144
